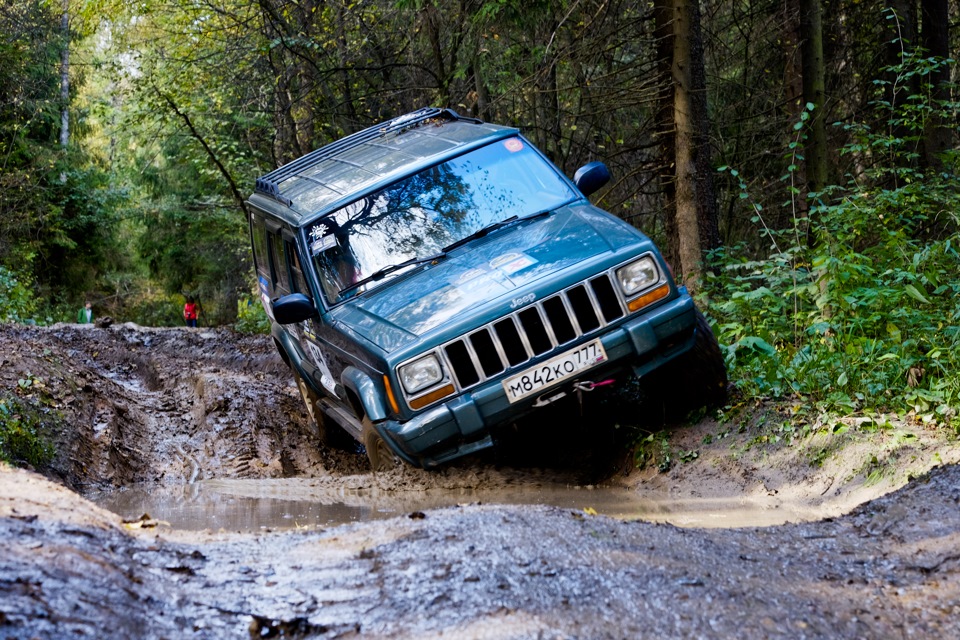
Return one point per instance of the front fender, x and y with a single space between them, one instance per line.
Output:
367 391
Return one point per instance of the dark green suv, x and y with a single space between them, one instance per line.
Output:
435 277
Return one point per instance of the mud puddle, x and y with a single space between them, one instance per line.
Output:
245 505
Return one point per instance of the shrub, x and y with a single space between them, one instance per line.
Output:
22 433
251 317
17 303
855 308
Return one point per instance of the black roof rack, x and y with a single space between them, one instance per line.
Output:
269 184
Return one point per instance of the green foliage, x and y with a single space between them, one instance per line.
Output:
199 251
251 318
16 301
855 309
154 308
80 245
906 98
653 449
867 319
23 429
57 210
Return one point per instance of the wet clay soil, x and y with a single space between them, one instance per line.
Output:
175 408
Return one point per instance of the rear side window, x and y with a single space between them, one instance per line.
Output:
278 259
259 235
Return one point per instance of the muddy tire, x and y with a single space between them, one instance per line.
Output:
693 381
328 434
379 453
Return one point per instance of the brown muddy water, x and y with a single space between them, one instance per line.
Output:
244 505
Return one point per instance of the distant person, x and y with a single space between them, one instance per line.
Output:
85 315
190 312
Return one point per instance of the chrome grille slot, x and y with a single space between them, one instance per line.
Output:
559 318
535 330
486 351
583 309
462 363
607 298
510 340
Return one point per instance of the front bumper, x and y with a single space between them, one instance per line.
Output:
462 425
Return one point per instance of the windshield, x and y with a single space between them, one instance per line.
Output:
420 215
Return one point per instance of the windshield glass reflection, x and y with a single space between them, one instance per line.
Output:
419 215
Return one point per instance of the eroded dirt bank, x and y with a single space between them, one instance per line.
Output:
171 406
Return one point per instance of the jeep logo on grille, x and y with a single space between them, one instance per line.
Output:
519 302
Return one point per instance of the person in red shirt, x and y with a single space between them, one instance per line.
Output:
190 312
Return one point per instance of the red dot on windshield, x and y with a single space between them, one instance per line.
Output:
513 145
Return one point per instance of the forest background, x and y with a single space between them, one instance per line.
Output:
795 159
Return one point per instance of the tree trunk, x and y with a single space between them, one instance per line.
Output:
935 34
686 175
432 25
684 117
665 131
65 76
815 145
811 56
901 41
707 208
65 82
794 100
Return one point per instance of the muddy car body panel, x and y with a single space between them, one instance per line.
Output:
435 277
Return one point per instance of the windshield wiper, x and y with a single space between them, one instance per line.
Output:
390 268
490 228
479 233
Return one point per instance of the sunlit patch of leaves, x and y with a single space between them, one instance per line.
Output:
251 318
17 303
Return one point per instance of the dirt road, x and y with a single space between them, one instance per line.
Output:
171 406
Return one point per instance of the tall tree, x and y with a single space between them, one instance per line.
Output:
707 208
686 151
65 77
814 79
937 134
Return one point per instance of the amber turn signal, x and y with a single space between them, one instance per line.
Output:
390 396
649 297
433 396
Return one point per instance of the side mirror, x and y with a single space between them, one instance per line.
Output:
591 176
292 308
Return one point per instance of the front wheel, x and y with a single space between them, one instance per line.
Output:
381 456
694 380
328 434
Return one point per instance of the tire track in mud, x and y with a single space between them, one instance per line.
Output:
166 405
228 427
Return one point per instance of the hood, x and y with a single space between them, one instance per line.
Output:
482 271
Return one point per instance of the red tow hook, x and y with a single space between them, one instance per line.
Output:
590 386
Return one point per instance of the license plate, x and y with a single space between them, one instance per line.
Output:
556 369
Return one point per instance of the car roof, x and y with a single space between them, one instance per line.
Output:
332 175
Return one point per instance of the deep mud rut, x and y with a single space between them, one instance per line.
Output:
169 407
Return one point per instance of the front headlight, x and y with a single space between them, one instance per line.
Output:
421 373
637 276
